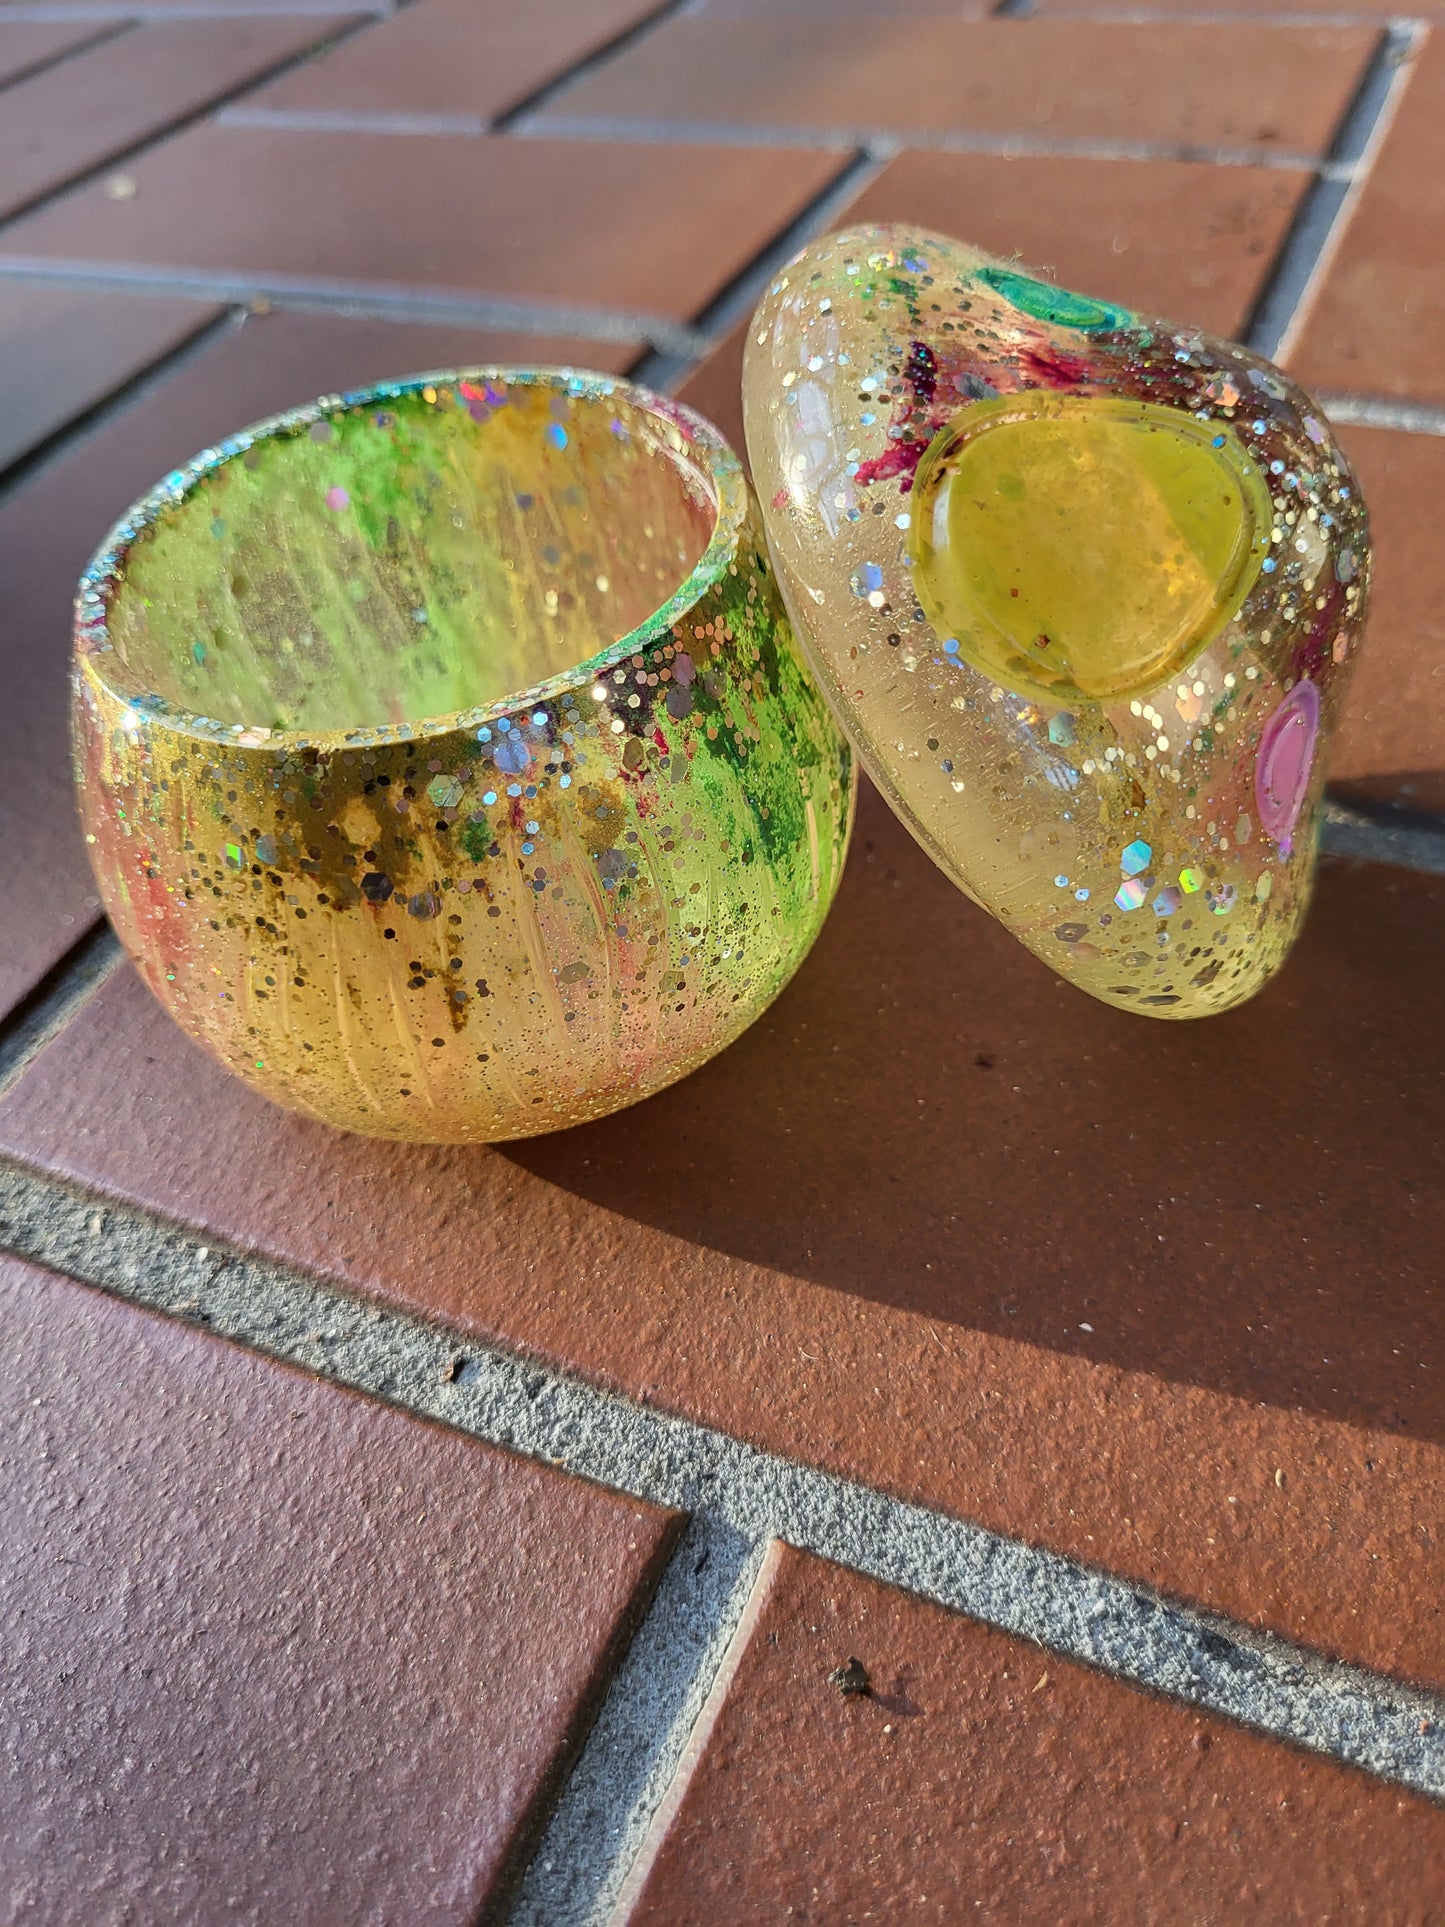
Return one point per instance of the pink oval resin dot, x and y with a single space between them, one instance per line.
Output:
1286 757
337 498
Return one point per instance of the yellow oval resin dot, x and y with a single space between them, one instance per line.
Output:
1081 548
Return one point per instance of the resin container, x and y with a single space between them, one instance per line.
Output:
446 760
1085 589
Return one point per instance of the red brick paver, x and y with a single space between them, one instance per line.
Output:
274 1651
638 229
1391 745
1374 328
81 113
982 1780
943 1225
1174 238
454 57
1177 85
66 350
49 531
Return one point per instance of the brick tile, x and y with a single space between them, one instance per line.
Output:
1391 746
1373 328
66 349
276 1652
643 229
1175 238
1262 9
827 11
76 116
49 531
453 57
982 1779
1180 85
26 44
943 1225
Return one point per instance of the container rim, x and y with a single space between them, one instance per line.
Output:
104 578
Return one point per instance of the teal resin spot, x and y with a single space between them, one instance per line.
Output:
1058 305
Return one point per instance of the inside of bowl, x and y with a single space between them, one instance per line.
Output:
406 558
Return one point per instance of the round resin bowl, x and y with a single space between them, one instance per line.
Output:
446 760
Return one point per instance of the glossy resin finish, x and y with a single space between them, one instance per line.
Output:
446 758
1084 589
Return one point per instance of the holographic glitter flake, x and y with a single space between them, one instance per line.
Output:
1135 858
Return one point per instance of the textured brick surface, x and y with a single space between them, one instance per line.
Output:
824 12
1374 327
454 57
79 114
28 44
275 1652
49 531
1189 242
1176 85
636 228
1391 746
1258 9
940 1223
67 349
983 1780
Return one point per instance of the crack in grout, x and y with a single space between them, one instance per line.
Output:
736 1490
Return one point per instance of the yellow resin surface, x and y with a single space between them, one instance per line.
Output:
1085 548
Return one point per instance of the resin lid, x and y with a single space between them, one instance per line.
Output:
1083 589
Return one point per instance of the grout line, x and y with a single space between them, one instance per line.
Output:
741 295
1330 206
344 29
80 427
1411 840
104 31
1365 411
648 1717
663 373
1123 1628
602 127
55 999
590 63
341 120
362 300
